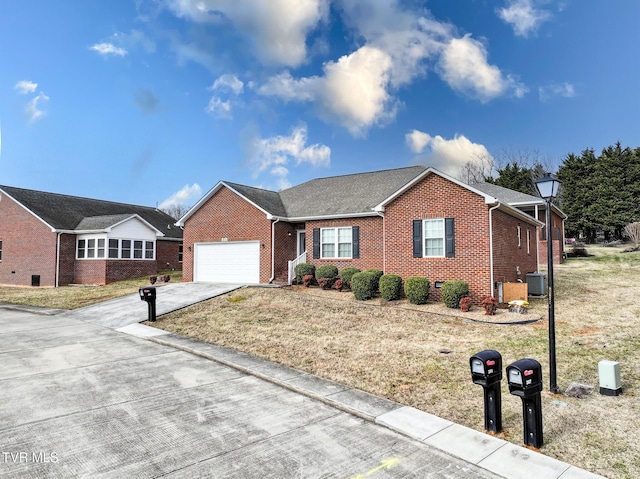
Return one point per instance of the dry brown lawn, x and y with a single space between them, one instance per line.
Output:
419 355
72 297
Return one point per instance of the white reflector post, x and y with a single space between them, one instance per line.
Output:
609 373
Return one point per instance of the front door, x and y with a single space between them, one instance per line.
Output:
302 243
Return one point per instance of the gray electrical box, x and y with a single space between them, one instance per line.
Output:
537 284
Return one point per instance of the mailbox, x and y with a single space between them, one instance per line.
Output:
524 377
486 371
486 367
148 294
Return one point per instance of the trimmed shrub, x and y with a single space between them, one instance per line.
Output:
307 280
453 291
377 274
364 285
346 274
390 287
416 289
328 271
304 269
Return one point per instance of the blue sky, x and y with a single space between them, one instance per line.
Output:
154 101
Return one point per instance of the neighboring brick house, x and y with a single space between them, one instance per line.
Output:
406 221
48 239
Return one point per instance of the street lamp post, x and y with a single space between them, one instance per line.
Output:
548 188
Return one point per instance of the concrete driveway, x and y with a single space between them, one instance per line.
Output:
78 399
120 312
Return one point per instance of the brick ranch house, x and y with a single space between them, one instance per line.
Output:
407 221
49 239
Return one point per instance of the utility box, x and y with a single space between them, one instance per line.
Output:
537 284
609 374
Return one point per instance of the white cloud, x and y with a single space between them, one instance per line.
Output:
277 153
445 155
34 107
417 140
183 197
565 90
463 65
357 91
523 16
352 92
25 86
106 49
277 29
228 82
219 108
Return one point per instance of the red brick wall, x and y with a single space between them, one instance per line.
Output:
226 215
28 246
167 255
370 243
508 257
90 271
117 270
67 259
436 197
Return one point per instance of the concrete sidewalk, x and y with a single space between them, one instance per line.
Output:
80 399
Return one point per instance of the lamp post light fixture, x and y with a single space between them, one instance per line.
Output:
548 189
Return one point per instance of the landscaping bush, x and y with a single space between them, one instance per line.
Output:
307 280
346 274
304 269
364 285
416 289
377 274
390 287
328 271
453 291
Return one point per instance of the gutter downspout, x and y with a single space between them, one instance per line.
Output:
491 244
57 283
273 251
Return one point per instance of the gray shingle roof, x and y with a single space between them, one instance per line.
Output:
345 195
505 195
64 212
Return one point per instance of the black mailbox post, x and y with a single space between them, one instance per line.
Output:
148 294
524 378
486 371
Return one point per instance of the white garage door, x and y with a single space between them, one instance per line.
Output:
227 262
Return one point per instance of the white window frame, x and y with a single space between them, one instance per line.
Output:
336 242
426 238
528 241
104 252
519 236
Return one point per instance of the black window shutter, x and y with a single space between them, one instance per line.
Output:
316 243
417 239
355 238
449 238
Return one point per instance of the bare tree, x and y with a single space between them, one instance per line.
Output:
176 211
477 170
632 230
